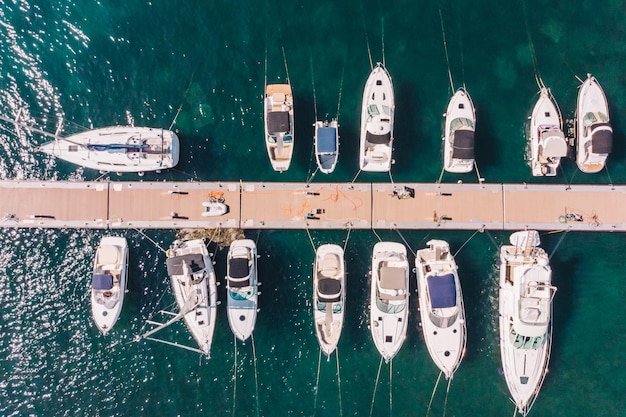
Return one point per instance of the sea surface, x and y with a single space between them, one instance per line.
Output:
202 66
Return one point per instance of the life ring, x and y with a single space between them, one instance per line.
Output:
562 219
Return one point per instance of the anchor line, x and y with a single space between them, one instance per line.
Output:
313 83
465 243
430 403
343 70
184 97
235 375
285 62
256 377
367 41
445 48
390 387
317 381
380 365
459 30
531 46
445 403
382 30
339 383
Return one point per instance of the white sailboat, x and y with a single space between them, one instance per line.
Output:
242 287
458 139
108 282
377 119
442 311
329 293
594 134
279 125
389 298
326 145
546 141
525 298
193 282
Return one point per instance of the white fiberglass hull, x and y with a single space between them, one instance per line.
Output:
197 298
377 119
460 117
110 265
279 125
118 149
592 101
326 145
329 293
389 298
242 288
546 139
525 297
442 311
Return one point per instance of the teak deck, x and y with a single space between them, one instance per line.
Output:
167 205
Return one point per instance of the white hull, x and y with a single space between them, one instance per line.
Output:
110 276
460 124
329 293
279 125
545 136
193 281
326 145
242 288
442 311
214 209
592 120
118 149
525 298
377 118
389 298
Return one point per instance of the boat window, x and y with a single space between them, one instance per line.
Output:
386 110
288 138
271 139
235 295
372 110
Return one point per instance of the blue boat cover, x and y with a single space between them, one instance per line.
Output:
326 140
102 281
442 291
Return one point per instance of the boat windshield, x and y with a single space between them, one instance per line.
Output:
240 296
337 307
525 342
441 321
595 117
390 307
461 122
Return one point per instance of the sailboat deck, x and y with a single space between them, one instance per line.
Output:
253 205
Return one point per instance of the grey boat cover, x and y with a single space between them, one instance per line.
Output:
329 290
442 290
463 146
601 140
194 261
277 122
238 271
102 281
326 139
378 139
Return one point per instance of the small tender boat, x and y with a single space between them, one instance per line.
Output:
242 287
329 293
389 298
118 149
525 295
108 282
594 134
326 145
441 306
458 139
377 117
279 125
193 281
546 141
214 208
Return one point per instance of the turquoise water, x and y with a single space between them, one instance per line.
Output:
104 63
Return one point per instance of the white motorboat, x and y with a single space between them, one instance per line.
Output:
326 145
118 149
242 287
546 141
389 298
441 306
193 281
458 139
279 125
329 293
594 134
525 294
108 282
377 118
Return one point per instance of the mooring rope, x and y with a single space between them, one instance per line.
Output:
317 381
430 403
404 240
380 365
235 375
465 243
339 383
445 48
256 377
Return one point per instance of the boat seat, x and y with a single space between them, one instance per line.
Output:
331 266
107 255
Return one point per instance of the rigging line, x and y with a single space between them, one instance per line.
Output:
339 383
367 41
184 98
445 48
390 387
445 403
317 382
151 241
285 61
256 377
235 375
404 240
465 243
380 365
558 244
430 403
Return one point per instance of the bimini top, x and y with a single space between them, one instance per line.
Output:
602 140
326 139
194 261
277 122
102 281
238 271
442 290
329 290
463 147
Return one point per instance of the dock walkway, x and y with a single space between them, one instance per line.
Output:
254 205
